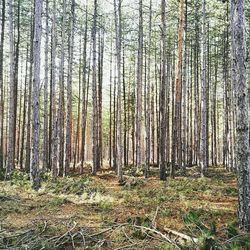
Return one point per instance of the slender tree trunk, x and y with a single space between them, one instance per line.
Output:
11 131
85 99
148 104
54 123
125 110
184 126
117 8
139 88
177 116
16 72
24 108
77 135
163 94
1 86
46 80
204 122
28 140
69 93
100 83
34 167
61 108
94 95
110 105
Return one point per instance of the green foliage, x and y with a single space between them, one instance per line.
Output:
140 221
46 176
105 206
2 174
20 178
231 231
207 234
230 191
135 171
164 246
76 186
133 183
166 212
209 237
57 201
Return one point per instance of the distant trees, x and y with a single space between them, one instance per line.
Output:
124 94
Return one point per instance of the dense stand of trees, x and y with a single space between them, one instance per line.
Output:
125 84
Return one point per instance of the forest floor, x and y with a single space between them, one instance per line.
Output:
86 212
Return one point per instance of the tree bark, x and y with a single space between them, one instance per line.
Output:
242 128
34 167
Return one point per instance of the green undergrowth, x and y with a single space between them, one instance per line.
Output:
228 238
200 207
77 186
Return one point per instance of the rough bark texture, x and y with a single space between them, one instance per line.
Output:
53 96
1 86
85 98
242 128
148 101
69 93
139 88
11 134
94 95
46 80
162 149
117 8
204 122
61 110
34 167
177 116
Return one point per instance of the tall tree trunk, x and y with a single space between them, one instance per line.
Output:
16 72
84 97
94 95
45 104
117 8
177 116
110 105
242 128
100 84
54 124
184 126
1 86
148 104
61 109
34 167
24 108
139 89
204 122
162 100
28 141
69 93
11 133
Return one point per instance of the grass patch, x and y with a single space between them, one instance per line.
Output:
77 186
105 206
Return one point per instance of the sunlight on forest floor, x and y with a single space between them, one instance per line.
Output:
199 207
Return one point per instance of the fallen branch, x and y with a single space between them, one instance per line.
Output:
163 236
181 235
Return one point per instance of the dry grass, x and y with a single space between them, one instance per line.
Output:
103 200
